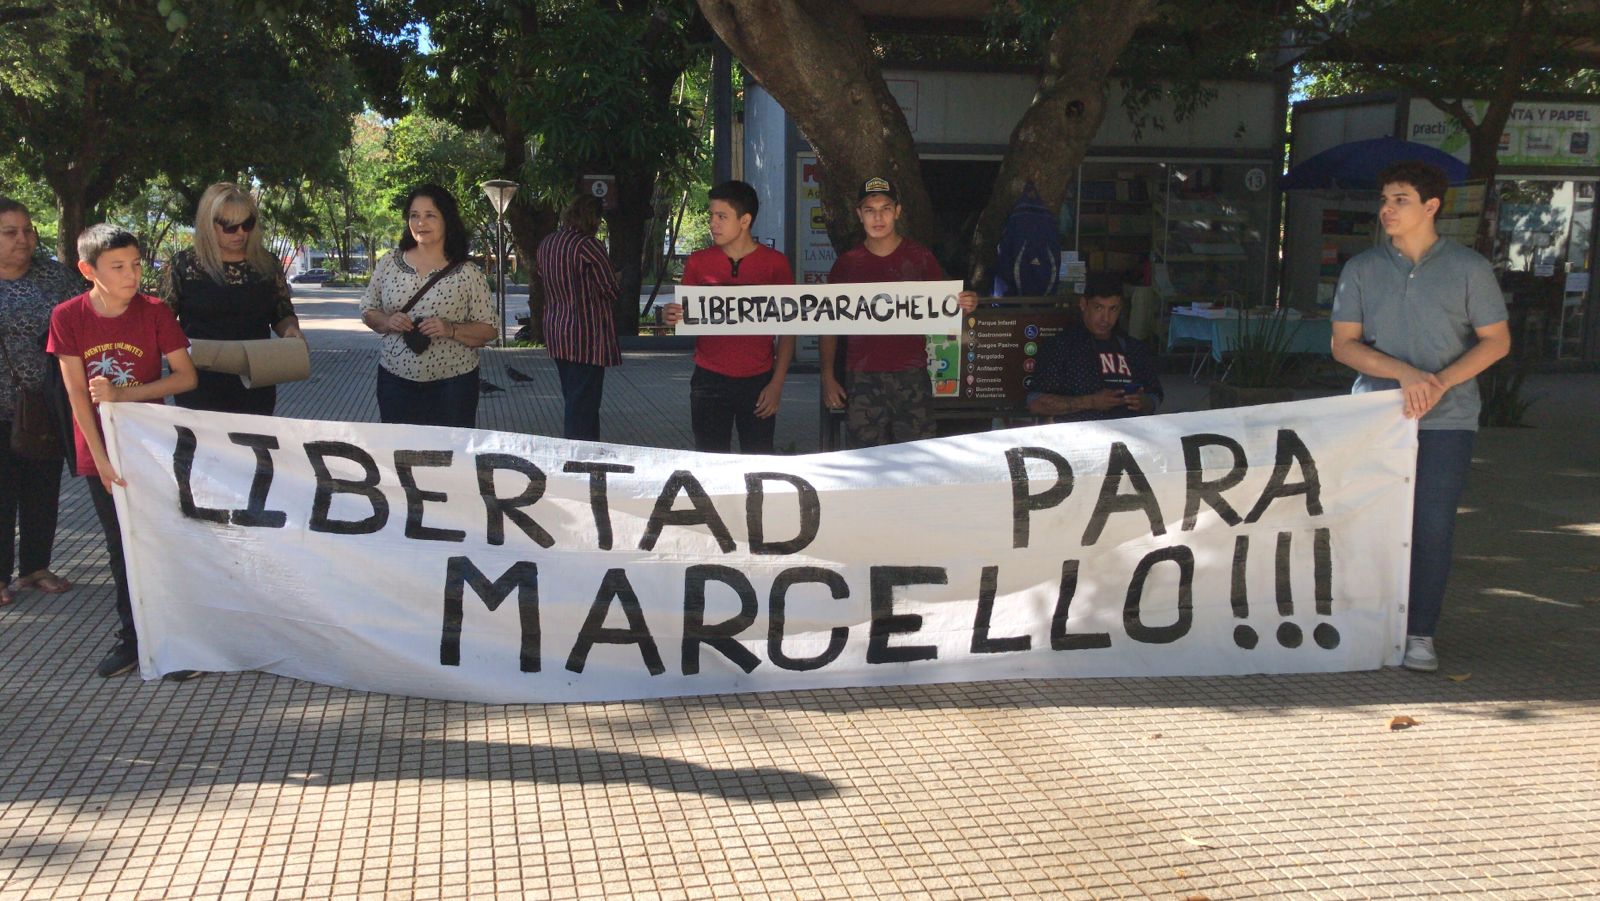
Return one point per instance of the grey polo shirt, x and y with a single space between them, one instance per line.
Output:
1425 315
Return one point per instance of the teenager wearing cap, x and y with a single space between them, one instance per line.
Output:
887 396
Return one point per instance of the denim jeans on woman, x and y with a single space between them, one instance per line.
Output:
448 402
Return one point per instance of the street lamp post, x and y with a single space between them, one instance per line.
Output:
499 192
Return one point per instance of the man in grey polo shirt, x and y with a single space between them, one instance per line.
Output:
1423 314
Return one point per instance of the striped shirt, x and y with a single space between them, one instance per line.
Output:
579 287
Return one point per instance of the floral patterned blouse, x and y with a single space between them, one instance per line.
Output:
25 305
461 296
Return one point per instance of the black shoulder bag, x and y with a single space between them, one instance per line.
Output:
33 424
416 340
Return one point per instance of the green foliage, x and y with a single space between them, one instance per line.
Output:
355 202
1444 48
422 149
1317 80
1261 354
574 80
1170 58
32 193
1500 387
100 97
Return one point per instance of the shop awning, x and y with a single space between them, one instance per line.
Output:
1355 166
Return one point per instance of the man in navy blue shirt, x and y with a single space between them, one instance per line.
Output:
1091 371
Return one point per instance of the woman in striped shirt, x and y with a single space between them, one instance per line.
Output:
579 328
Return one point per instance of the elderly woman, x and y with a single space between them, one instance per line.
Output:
431 327
229 287
579 331
30 286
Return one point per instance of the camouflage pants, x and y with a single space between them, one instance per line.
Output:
888 407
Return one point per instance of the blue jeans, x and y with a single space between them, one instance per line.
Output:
1443 458
720 404
448 402
582 385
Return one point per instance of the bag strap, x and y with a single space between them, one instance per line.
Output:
432 280
16 377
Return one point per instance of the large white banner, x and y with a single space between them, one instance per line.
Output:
499 567
878 308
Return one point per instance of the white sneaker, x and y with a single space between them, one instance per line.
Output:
1420 655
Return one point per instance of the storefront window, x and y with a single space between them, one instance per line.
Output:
1542 254
1192 231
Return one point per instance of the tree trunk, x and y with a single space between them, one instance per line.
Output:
1050 140
526 223
629 223
626 224
1484 163
79 189
1483 136
71 215
815 58
1484 139
526 226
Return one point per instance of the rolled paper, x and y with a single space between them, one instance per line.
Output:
218 356
257 363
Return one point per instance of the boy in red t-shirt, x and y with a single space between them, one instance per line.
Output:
890 398
110 343
738 379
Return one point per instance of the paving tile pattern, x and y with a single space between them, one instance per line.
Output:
254 786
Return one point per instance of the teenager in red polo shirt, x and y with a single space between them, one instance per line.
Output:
889 397
738 379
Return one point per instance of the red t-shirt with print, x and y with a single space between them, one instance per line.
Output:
910 262
736 356
126 349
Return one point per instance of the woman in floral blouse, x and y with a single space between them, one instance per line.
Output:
31 284
229 287
436 384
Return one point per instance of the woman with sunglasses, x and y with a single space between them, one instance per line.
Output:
229 287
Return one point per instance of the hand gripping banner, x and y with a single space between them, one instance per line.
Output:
498 567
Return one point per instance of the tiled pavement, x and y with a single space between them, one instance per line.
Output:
258 786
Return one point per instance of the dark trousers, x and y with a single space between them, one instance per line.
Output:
1443 458
448 402
582 385
719 404
30 495
106 509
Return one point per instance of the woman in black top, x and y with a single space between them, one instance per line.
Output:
228 288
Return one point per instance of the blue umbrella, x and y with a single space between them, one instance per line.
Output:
1356 165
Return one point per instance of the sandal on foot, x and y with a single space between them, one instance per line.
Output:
8 594
47 582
